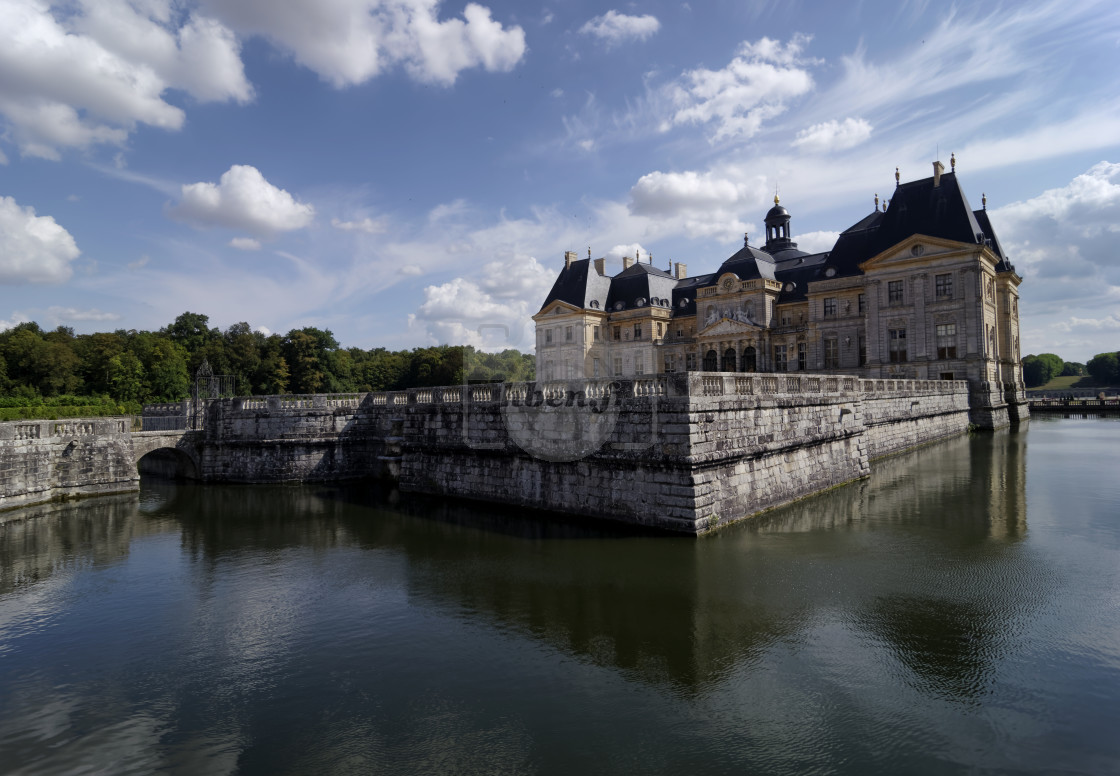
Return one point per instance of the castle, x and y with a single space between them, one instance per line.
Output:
917 289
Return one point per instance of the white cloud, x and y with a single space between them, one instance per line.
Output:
348 42
833 135
816 242
75 75
1063 242
15 320
33 249
367 225
699 204
492 311
411 269
245 244
66 314
244 200
1108 323
140 262
614 27
263 330
753 88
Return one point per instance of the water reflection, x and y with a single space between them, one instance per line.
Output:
192 627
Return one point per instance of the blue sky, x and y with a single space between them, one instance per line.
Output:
408 172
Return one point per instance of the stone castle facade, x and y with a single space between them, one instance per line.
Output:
919 289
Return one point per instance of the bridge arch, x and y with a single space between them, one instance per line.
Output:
171 455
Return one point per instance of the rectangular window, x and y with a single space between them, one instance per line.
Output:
548 336
898 345
894 292
567 333
680 331
802 360
943 285
786 319
780 363
830 307
862 344
618 332
690 362
595 333
660 329
946 375
831 353
617 366
946 340
862 304
639 365
595 368
569 372
637 331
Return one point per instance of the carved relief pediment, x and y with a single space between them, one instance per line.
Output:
729 327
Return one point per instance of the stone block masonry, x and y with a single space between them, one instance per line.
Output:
682 452
42 460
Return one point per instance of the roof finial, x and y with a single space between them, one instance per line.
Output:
746 239
896 177
637 255
776 197
876 200
589 251
952 162
885 203
984 200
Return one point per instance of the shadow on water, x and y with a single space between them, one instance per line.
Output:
914 553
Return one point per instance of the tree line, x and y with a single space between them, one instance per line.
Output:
131 366
1038 370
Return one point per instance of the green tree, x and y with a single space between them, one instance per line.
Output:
1105 368
272 376
1073 369
1041 369
166 370
301 352
126 376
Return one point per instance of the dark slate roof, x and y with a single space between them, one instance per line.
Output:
580 285
749 263
685 291
917 207
640 283
800 271
993 241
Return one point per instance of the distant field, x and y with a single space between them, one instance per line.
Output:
1066 383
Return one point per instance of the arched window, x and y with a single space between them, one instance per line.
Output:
711 361
729 360
750 360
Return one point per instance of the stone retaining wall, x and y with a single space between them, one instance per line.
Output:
41 460
685 452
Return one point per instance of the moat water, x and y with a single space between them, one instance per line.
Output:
958 612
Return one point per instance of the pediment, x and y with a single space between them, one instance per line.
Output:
557 308
914 250
729 327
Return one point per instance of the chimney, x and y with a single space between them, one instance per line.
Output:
569 258
938 168
600 266
627 262
682 271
